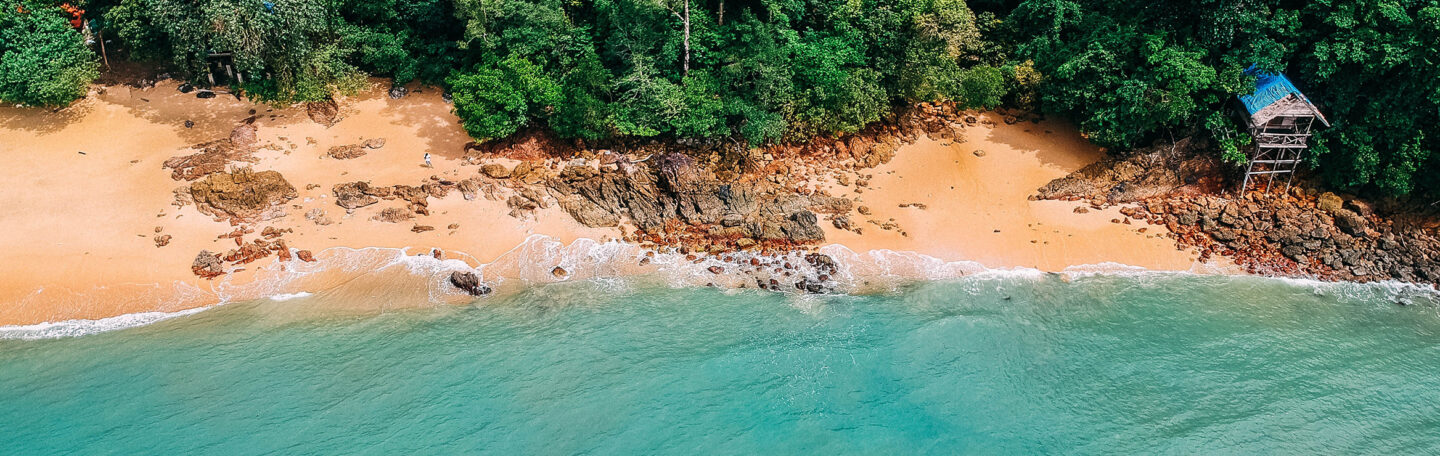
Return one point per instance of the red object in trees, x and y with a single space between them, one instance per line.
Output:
77 15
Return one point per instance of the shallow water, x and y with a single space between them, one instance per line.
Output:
1150 363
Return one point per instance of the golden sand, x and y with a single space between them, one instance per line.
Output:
78 229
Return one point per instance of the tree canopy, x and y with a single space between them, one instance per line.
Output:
43 60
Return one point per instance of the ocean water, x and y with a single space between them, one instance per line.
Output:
990 364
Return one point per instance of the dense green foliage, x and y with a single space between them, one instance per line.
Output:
1129 71
43 61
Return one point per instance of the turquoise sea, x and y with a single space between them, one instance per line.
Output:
992 364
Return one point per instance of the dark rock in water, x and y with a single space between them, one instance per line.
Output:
447 97
205 94
822 263
559 273
186 88
469 282
189 124
398 91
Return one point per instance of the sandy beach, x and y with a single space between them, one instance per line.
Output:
87 194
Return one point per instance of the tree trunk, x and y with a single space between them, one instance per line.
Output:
687 37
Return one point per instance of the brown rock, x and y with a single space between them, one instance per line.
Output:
393 215
422 228
305 255
559 273
162 240
353 195
325 113
495 171
373 143
243 195
346 152
207 265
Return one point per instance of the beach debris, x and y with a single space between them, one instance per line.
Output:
243 195
920 206
207 265
469 282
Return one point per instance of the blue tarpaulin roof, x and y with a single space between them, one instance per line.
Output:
1270 88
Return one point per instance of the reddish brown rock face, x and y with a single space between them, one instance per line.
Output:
243 195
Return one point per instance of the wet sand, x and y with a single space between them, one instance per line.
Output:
78 229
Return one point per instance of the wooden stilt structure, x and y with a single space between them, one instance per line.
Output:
1279 119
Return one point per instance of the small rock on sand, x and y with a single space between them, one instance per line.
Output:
559 273
979 152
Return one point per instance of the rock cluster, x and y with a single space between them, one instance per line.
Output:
672 193
1300 233
1296 234
214 156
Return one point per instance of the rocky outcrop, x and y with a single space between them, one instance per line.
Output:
243 195
677 195
1297 235
1300 233
346 152
469 283
325 113
1144 173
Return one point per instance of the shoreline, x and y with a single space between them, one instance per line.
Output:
96 217
879 272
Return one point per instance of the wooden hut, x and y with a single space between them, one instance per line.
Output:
1279 119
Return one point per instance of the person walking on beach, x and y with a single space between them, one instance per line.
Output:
427 161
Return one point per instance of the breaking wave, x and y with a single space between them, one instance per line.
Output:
406 278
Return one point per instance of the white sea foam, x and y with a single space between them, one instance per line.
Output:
289 296
615 265
75 328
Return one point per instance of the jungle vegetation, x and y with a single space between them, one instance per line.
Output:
1127 72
